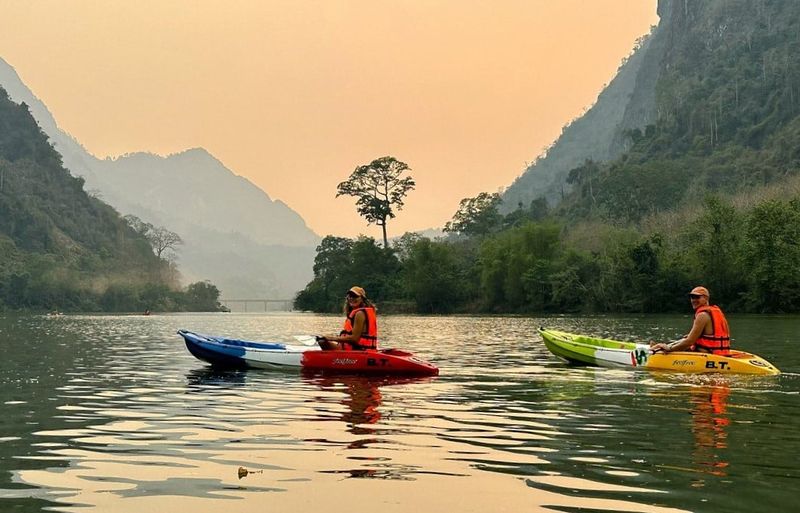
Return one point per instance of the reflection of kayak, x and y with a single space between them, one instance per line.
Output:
225 352
613 353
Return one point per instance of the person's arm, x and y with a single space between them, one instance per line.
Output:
686 342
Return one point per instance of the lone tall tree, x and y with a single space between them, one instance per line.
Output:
379 188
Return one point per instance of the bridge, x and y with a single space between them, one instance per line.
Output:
257 305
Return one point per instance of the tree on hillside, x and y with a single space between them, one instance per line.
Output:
379 189
476 216
160 238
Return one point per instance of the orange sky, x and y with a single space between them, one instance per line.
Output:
294 94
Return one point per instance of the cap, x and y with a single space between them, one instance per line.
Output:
359 291
699 291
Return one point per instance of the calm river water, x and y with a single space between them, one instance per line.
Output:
112 414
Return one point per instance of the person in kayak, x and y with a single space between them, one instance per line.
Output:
709 333
360 325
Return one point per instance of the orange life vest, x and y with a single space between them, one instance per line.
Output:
369 337
719 341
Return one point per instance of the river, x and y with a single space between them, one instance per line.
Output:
112 414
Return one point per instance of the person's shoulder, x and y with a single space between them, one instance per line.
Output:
704 314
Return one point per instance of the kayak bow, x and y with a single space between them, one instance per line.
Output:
587 350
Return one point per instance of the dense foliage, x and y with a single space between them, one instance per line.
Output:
61 249
747 258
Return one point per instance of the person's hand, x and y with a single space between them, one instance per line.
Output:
660 347
322 338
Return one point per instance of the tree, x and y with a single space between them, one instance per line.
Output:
162 239
202 296
379 188
332 263
773 250
717 244
476 216
430 276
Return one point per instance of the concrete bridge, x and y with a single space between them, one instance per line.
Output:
257 305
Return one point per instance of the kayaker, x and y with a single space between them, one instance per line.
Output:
360 325
709 333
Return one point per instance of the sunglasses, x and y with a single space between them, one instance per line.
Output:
695 296
350 295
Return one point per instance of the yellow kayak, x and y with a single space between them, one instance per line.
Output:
614 353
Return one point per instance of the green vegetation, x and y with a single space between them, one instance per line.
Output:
61 249
746 257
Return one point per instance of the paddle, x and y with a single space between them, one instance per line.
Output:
306 340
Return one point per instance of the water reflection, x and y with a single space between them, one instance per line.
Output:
113 414
710 430
362 396
199 380
361 415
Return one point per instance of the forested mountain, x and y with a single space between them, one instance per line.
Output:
727 113
59 247
713 107
234 234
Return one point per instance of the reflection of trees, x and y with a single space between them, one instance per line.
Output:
201 379
709 428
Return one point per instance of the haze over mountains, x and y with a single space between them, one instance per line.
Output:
235 235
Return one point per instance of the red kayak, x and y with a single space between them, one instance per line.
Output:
386 361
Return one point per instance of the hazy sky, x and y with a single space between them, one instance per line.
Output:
295 94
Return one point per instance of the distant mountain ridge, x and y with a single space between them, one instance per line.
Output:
193 194
196 179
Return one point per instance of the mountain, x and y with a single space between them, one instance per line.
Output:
59 247
626 103
727 113
235 235
708 103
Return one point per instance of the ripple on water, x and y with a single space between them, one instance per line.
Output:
122 417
